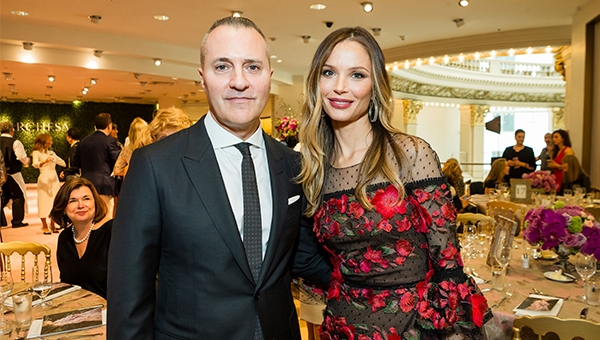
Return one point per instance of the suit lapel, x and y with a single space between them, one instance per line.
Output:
279 191
201 165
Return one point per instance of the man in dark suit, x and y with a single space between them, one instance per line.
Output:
73 135
13 188
96 155
186 213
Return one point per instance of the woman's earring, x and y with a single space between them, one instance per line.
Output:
372 113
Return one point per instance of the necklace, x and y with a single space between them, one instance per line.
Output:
86 236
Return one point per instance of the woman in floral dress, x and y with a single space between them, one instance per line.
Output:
397 267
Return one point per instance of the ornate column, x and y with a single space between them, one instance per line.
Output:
411 109
471 137
558 118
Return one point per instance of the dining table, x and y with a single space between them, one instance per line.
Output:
74 300
522 282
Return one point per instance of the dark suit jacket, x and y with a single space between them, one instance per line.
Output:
70 169
174 218
96 156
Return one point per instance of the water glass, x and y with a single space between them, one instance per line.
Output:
552 196
22 305
498 277
585 266
568 193
6 287
592 292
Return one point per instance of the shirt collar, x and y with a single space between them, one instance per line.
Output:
221 138
6 135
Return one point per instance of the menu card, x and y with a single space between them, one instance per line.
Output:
535 305
70 321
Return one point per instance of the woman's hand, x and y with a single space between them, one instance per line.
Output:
553 164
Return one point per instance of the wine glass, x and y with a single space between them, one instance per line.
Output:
502 253
568 193
6 287
42 284
585 266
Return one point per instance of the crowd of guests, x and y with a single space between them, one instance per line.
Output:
557 157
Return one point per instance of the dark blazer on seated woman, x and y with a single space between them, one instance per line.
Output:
91 269
573 174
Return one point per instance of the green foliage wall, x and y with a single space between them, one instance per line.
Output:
32 119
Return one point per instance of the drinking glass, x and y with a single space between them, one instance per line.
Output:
552 196
6 287
568 193
585 266
42 284
502 253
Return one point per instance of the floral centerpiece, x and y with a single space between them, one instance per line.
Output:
286 126
564 229
543 180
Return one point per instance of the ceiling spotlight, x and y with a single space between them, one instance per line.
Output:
476 55
493 54
93 81
157 61
403 37
28 46
317 7
97 53
7 76
367 6
463 3
30 99
461 58
431 61
143 83
161 17
49 87
548 49
198 83
95 19
51 78
306 38
20 13
377 31
136 75
529 50
446 59
236 14
458 22
511 52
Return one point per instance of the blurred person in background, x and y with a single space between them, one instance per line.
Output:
14 188
497 174
135 133
456 180
573 174
47 185
546 152
562 148
165 123
114 133
520 158
73 135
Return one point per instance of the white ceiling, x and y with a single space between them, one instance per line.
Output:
128 30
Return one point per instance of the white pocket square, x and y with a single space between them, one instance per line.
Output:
293 199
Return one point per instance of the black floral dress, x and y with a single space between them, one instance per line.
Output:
398 273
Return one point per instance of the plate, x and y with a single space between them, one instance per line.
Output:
568 277
548 255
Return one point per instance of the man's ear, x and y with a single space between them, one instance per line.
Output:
201 73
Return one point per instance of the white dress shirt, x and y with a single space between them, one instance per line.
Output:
229 159
18 148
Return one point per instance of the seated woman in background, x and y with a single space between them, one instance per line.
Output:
499 170
82 252
453 173
573 174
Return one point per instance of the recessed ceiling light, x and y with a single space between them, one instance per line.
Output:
51 78
236 14
463 3
95 19
367 6
93 81
157 61
273 56
20 13
317 7
279 61
27 46
161 17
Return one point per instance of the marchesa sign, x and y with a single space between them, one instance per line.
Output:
41 127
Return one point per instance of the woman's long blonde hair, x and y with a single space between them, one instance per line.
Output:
173 119
317 137
573 169
135 130
40 141
497 172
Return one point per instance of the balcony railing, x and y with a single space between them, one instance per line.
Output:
512 68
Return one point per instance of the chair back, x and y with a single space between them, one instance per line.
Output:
595 191
476 188
564 328
475 219
508 210
9 248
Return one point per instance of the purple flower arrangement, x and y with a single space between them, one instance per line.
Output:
286 126
541 179
569 226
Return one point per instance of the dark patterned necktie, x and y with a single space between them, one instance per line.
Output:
252 224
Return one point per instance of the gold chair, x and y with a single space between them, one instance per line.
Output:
595 191
8 248
564 328
508 210
475 219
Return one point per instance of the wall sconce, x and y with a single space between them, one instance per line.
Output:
97 53
306 38
236 14
95 19
51 78
367 6
28 46
157 61
376 32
